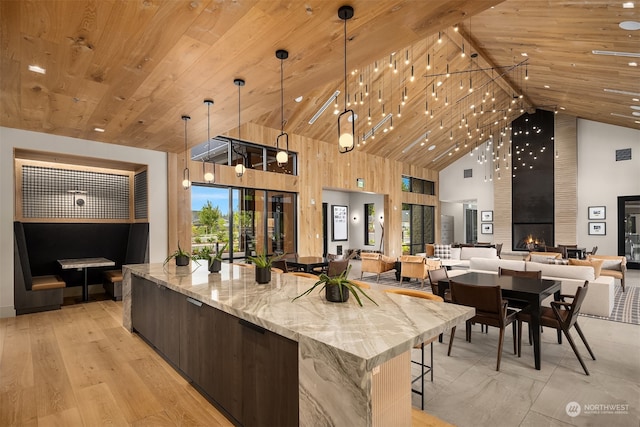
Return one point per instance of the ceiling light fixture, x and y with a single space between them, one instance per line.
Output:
208 176
98 130
37 69
324 107
240 167
186 180
282 156
616 53
627 5
346 129
373 130
630 25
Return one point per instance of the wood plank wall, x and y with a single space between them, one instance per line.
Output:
566 179
320 166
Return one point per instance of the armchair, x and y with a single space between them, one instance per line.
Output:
417 267
376 263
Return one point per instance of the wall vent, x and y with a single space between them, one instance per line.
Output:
468 173
624 154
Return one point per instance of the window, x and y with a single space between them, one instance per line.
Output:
370 224
253 221
416 185
255 156
418 227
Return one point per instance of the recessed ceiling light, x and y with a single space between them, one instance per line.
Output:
635 107
616 53
547 86
298 99
635 99
630 25
37 69
636 113
633 64
98 129
627 5
432 147
562 108
524 54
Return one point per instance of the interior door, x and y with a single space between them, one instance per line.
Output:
629 230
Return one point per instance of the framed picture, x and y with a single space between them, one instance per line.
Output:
598 228
486 228
339 229
486 216
597 212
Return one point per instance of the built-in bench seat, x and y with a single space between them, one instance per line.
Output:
113 284
32 293
136 254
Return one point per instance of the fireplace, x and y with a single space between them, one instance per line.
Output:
532 237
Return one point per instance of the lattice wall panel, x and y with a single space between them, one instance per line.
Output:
62 193
140 204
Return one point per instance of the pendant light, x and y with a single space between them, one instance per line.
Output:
209 177
346 130
282 156
186 179
240 168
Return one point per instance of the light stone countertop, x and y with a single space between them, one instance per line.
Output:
370 334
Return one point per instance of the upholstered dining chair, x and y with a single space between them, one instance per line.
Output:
434 277
425 369
518 273
303 274
337 267
281 264
491 310
562 316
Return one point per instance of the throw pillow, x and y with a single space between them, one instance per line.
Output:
558 261
442 251
596 264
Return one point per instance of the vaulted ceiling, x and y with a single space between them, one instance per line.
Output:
133 68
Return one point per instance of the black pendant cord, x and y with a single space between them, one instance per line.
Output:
281 97
345 64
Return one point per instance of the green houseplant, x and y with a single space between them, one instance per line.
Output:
263 265
181 256
338 288
215 260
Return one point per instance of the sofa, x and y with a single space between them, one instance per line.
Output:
600 297
460 257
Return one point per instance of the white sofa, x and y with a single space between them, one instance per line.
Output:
465 254
600 297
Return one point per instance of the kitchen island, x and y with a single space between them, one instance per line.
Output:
243 345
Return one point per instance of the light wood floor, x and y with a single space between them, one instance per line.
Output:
78 366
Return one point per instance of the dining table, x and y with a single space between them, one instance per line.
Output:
307 263
521 289
84 264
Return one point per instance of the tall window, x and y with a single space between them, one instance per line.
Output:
250 221
370 224
418 227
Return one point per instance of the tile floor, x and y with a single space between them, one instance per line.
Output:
467 390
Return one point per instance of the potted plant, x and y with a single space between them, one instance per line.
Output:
215 260
263 265
338 288
182 257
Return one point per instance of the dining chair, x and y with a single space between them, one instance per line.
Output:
518 273
491 310
325 269
425 369
561 316
434 277
303 274
337 267
360 284
281 264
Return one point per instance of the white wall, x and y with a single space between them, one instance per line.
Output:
456 189
601 179
11 139
355 202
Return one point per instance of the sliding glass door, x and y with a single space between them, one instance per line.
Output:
417 227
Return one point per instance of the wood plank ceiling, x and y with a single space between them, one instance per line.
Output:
133 68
